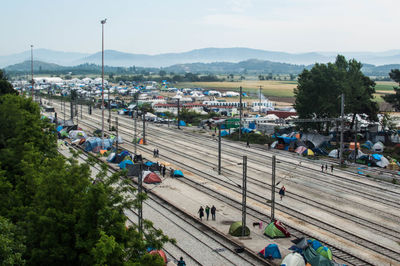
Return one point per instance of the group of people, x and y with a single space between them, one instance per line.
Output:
207 210
326 168
155 153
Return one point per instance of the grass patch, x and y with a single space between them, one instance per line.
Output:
385 85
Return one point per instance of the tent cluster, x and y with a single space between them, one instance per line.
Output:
306 144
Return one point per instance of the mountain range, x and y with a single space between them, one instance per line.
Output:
205 55
251 66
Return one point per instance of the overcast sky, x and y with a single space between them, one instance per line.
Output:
160 26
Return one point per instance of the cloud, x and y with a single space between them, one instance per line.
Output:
239 6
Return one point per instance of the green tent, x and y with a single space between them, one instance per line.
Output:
316 259
272 231
325 251
236 229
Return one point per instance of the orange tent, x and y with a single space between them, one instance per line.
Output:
353 145
159 253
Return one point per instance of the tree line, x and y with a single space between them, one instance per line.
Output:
52 210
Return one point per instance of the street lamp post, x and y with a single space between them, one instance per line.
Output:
32 82
102 81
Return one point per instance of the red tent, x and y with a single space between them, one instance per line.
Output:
152 178
159 253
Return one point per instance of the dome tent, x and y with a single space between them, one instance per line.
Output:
293 259
270 252
160 253
152 178
178 173
378 147
236 229
275 230
316 259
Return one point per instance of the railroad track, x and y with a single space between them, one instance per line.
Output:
200 237
340 257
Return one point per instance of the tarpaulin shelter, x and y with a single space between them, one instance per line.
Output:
148 163
293 259
275 230
178 173
383 162
314 140
286 140
300 242
120 157
236 229
271 252
319 151
182 123
123 164
93 144
133 169
152 178
224 133
246 130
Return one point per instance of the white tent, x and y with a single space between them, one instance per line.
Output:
383 162
293 259
333 153
378 147
77 134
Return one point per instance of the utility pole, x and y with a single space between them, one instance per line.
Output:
273 189
355 141
140 209
341 129
81 108
102 81
260 102
240 114
244 189
219 150
135 128
116 127
32 81
109 109
179 127
144 127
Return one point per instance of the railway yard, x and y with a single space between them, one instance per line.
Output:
355 216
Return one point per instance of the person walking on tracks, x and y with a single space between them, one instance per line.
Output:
207 211
322 168
181 262
163 171
201 212
331 168
247 143
213 210
154 153
157 153
326 168
282 191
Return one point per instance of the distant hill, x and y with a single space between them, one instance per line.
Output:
205 55
252 66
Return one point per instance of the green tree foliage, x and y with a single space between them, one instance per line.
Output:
5 86
57 212
394 99
319 89
11 244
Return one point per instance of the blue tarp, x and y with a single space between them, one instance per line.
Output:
178 173
59 128
377 156
123 164
246 130
182 123
360 173
287 140
271 251
224 133
148 163
93 142
252 125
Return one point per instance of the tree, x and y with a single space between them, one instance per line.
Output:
162 73
61 215
394 99
261 77
11 244
319 89
5 86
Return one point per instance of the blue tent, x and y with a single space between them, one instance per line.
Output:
148 163
224 133
59 128
315 244
271 251
124 153
252 125
92 143
368 145
123 164
377 157
178 173
182 123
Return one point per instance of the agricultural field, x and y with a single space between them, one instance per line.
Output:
270 88
385 86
